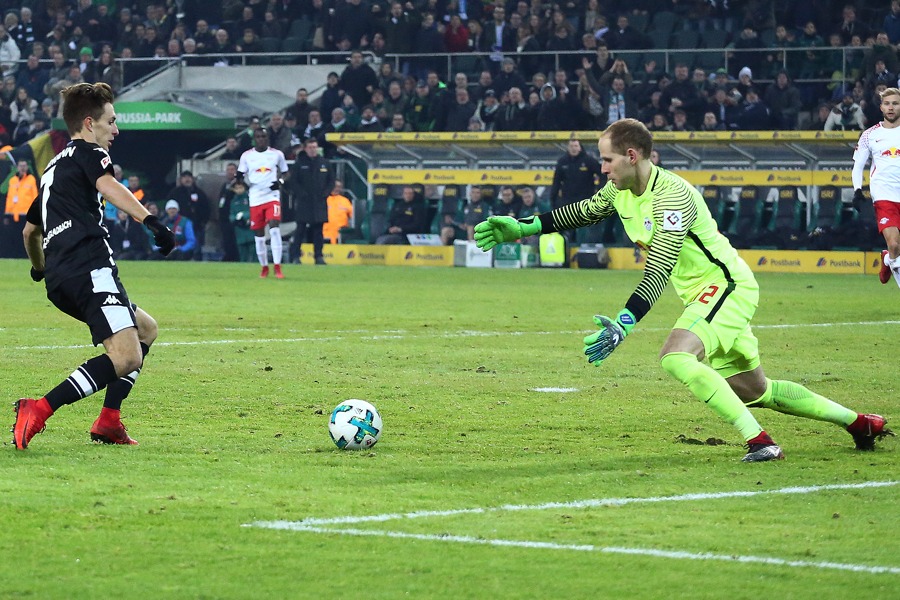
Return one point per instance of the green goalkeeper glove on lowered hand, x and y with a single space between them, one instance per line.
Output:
598 346
497 230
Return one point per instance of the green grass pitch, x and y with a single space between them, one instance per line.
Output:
482 486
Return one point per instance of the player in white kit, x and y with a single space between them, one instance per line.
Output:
262 169
881 143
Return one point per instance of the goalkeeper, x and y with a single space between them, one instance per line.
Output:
663 214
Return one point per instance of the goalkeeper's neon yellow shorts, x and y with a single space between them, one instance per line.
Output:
721 319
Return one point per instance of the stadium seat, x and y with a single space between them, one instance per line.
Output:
639 21
661 28
714 39
450 204
300 28
290 44
359 234
470 64
712 195
687 41
379 208
780 223
744 227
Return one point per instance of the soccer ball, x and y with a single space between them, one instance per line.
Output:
354 425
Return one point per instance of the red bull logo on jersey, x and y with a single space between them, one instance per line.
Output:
892 151
264 170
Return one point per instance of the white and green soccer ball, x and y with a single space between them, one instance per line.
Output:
354 425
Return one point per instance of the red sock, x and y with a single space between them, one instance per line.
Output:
43 409
110 415
762 438
860 425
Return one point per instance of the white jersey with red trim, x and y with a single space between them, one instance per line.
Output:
261 170
883 146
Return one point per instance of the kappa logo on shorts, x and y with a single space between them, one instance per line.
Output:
111 300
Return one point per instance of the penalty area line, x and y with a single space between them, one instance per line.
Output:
671 554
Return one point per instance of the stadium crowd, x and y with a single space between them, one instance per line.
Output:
597 61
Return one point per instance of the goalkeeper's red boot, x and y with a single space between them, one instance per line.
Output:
278 273
884 275
762 448
31 416
868 428
264 273
108 429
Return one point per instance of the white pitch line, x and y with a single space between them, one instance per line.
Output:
591 503
395 335
682 555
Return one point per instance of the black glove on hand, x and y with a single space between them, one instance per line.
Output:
37 275
162 235
276 185
858 200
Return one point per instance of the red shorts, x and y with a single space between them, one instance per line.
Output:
887 214
262 214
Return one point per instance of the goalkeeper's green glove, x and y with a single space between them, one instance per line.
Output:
598 346
497 230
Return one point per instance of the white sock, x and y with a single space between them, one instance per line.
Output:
894 265
275 238
261 253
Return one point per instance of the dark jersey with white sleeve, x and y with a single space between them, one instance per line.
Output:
75 238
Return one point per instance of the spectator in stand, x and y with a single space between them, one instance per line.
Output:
745 82
680 121
419 110
395 101
753 115
9 53
891 24
701 83
870 105
810 64
683 94
616 102
846 116
407 216
508 204
475 211
618 69
109 71
659 122
387 75
460 111
22 109
204 36
508 77
352 20
820 117
358 79
724 106
134 186
220 48
477 42
514 114
398 124
340 211
746 47
238 220
128 238
528 46
33 77
231 152
499 38
711 123
883 51
193 204
271 27
428 43
849 26
301 106
625 37
784 100
315 127
331 95
456 36
245 139
399 28
370 122
337 124
249 43
183 228
562 43
279 133
488 110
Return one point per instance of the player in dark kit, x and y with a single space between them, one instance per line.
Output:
68 246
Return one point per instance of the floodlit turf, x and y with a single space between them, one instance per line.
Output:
481 486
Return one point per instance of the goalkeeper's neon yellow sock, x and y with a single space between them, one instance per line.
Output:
793 399
711 388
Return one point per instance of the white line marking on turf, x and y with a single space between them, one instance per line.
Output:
368 335
462 539
332 526
561 390
583 504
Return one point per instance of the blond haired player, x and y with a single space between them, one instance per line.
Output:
881 143
711 348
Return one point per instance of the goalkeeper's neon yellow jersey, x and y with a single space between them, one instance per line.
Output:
671 222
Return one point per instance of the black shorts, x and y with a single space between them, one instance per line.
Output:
98 299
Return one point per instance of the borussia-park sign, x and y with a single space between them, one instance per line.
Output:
159 116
